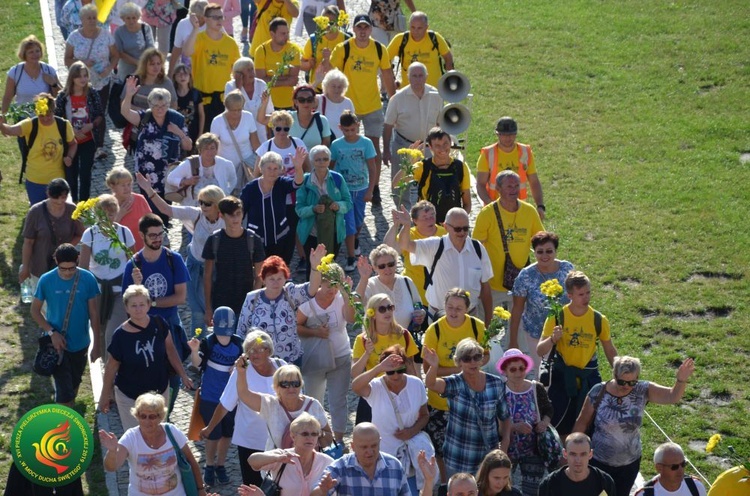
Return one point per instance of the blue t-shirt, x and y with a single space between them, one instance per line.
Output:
143 358
219 360
56 292
159 278
351 161
536 309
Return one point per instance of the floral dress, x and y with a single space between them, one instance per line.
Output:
156 148
96 50
522 409
527 285
159 13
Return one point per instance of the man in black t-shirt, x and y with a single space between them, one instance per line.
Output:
577 478
233 257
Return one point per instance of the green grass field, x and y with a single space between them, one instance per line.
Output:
638 115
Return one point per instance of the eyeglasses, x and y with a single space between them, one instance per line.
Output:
386 308
402 370
278 129
306 100
545 252
155 235
290 384
459 229
390 265
67 269
205 203
148 416
308 434
674 466
520 368
216 18
477 357
256 351
623 382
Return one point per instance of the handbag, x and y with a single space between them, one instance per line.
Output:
186 470
335 450
317 353
196 419
270 486
241 169
47 359
548 443
510 271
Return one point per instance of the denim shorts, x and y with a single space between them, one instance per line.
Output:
355 217
373 123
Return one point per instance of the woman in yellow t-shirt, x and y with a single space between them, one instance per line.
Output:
381 332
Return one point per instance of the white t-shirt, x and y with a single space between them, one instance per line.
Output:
408 402
682 491
107 262
400 296
277 421
249 428
336 323
183 30
200 229
153 471
333 113
253 105
242 133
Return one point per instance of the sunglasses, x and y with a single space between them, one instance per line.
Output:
544 252
309 434
386 308
216 17
67 269
402 370
390 265
306 100
472 358
520 368
290 384
148 416
459 229
205 203
675 466
279 129
623 382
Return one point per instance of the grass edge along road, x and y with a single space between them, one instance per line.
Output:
637 115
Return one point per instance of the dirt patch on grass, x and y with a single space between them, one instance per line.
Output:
711 276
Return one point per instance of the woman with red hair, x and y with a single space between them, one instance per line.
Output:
274 307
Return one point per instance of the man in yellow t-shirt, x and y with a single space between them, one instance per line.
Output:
213 53
45 160
511 155
520 222
268 10
419 44
360 58
575 369
268 59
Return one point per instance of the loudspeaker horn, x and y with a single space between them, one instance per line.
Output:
453 86
454 118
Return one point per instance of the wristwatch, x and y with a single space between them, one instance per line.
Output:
153 303
50 333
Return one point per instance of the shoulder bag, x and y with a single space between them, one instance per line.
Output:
47 358
510 271
270 486
186 470
548 443
242 168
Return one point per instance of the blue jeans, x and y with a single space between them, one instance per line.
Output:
195 298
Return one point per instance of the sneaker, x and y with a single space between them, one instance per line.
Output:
100 154
357 251
221 475
351 264
208 475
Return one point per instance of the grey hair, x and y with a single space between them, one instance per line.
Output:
130 9
198 7
243 63
626 365
88 9
271 157
318 149
252 337
418 14
159 95
465 347
382 250
335 75
417 65
502 175
665 448
150 401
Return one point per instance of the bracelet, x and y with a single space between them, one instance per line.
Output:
541 205
152 195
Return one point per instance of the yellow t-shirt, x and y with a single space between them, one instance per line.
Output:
507 161
383 343
578 343
446 347
419 168
277 8
419 51
519 227
268 60
321 44
416 272
212 63
45 161
362 71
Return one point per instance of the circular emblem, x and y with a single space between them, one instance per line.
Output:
52 445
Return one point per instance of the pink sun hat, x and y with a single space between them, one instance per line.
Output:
514 354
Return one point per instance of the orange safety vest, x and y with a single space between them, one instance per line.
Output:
490 153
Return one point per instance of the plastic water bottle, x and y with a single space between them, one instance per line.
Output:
27 293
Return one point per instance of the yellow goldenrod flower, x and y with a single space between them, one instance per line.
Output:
713 442
501 313
328 258
322 22
198 332
41 107
343 19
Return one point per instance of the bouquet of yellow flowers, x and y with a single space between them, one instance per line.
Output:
90 213
409 157
496 330
714 442
553 291
334 278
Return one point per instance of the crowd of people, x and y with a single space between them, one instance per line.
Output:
276 154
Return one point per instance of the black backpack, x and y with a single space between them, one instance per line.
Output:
445 186
28 143
211 341
348 49
433 39
438 254
648 487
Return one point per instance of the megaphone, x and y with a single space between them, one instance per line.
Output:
454 118
453 86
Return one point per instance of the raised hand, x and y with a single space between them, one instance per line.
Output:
108 440
429 356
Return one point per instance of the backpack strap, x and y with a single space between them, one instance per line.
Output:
62 128
427 168
435 47
318 123
477 248
690 483
597 323
437 331
323 101
401 48
438 254
347 51
28 143
474 327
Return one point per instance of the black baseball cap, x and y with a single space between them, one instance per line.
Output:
362 18
506 125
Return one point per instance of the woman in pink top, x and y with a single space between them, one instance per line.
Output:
132 205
